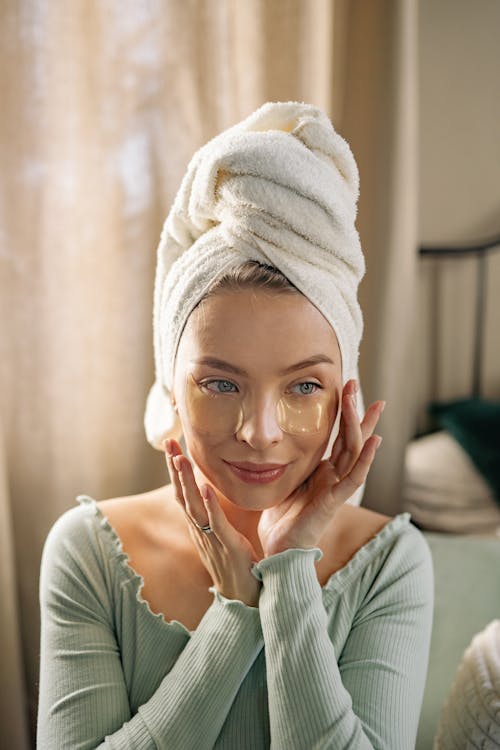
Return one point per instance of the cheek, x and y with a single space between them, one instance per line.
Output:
205 450
201 443
324 434
312 452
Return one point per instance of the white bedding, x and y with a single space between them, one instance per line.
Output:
471 715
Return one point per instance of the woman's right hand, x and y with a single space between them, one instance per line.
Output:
225 552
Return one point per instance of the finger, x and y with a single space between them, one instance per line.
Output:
368 425
371 418
338 446
352 437
337 449
217 519
192 498
174 475
357 476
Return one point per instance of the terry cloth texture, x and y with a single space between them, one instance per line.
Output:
343 665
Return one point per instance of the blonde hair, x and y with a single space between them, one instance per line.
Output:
252 274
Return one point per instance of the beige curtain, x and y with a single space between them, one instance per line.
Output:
103 104
380 117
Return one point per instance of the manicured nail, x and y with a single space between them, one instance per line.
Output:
383 406
177 463
379 442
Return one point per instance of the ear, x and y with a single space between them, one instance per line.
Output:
172 399
171 396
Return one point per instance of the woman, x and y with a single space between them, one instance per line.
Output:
247 603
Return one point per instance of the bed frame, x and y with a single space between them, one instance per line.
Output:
481 251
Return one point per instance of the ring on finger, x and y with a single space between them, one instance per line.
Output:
207 529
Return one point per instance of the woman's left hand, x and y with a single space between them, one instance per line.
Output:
300 520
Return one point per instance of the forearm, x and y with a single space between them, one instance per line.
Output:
193 701
188 709
308 704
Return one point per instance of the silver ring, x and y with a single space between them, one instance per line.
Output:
206 529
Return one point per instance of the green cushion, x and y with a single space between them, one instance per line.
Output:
475 424
467 598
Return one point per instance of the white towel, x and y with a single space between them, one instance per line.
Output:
280 187
471 714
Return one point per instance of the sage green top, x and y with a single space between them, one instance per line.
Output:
339 666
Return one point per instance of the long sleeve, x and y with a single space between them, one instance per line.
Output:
369 695
83 694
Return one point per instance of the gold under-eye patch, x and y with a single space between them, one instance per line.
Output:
224 412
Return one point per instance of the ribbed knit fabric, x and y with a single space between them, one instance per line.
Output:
339 666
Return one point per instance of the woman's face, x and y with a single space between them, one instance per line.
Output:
265 405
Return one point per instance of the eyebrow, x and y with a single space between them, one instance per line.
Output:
219 364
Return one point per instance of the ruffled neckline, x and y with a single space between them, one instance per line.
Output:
338 578
123 560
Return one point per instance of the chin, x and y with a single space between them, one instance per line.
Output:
253 499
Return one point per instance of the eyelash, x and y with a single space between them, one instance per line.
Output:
223 380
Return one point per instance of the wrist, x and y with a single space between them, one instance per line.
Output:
276 549
292 561
248 595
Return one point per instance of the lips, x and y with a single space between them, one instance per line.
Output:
249 466
258 473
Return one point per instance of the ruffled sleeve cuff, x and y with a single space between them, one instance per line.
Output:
291 572
286 560
232 619
235 604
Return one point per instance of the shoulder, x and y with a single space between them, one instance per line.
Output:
144 520
404 540
72 527
132 506
401 565
79 533
73 566
352 528
392 551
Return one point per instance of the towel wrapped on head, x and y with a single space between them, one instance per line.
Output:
280 187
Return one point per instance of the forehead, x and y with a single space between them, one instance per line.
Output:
256 325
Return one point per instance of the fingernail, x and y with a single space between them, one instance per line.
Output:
167 446
177 462
379 442
383 406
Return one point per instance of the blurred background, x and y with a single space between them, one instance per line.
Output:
103 103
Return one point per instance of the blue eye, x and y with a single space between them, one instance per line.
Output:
226 383
307 392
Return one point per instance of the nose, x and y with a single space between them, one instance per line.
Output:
260 427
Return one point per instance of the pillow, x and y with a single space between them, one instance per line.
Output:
471 714
475 424
444 491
